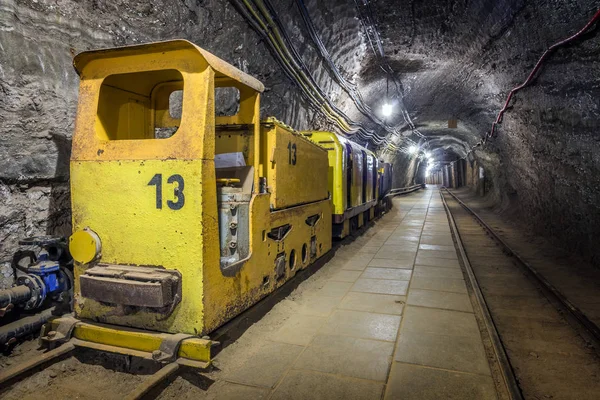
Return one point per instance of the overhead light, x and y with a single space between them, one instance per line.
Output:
412 149
427 154
386 109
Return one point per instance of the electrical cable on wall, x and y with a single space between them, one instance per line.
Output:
260 14
528 81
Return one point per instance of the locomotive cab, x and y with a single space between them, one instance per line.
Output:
183 218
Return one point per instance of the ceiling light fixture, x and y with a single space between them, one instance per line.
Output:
386 109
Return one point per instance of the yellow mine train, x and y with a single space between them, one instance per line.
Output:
182 218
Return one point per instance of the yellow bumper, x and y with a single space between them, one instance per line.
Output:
193 351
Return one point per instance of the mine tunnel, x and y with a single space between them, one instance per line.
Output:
299 199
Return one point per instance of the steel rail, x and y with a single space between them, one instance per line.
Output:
17 371
506 369
590 331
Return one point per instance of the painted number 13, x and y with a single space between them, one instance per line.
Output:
177 191
292 153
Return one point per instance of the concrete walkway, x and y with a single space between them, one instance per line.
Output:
387 317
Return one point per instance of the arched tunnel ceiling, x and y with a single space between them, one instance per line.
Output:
457 60
440 51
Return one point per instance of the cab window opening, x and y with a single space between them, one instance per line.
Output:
140 105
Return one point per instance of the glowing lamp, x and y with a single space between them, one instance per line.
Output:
386 110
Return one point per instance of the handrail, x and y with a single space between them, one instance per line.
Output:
410 189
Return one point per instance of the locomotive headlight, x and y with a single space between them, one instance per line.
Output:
85 246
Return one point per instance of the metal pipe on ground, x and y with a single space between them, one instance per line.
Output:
15 295
24 326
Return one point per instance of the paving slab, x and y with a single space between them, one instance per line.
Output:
439 239
362 325
298 329
407 247
437 299
438 254
232 391
349 356
402 237
302 385
437 272
381 286
441 322
436 261
396 255
369 249
355 267
423 383
441 284
405 263
316 305
265 367
346 276
376 303
458 353
436 247
334 289
387 273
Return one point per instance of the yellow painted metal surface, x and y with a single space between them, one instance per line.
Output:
194 348
115 200
353 177
151 195
336 178
226 297
295 167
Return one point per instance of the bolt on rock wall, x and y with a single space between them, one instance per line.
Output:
38 86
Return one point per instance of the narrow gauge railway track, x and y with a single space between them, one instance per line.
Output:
543 345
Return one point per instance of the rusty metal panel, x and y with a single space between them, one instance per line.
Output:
130 293
131 286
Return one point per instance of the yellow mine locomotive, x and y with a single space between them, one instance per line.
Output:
353 179
183 218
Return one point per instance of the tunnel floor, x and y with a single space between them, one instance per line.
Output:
389 316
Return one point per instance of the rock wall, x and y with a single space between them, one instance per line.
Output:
38 86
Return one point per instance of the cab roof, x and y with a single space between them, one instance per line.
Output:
221 68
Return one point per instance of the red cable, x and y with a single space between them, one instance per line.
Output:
535 70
